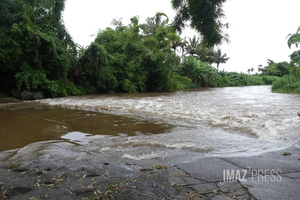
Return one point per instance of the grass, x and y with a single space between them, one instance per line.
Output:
8 100
287 84
5 98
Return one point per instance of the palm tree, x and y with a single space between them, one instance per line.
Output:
249 71
192 46
260 68
294 38
295 56
219 58
206 54
198 71
154 23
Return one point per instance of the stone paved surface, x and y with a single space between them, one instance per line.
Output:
25 175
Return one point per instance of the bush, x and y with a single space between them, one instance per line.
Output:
129 87
288 83
269 80
177 82
31 79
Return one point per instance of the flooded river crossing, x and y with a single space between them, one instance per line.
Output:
216 121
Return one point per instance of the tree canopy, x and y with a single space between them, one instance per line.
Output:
38 54
205 16
132 58
36 50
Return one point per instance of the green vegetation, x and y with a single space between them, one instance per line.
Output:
38 54
132 58
241 79
288 84
205 16
290 71
36 50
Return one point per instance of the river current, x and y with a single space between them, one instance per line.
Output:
217 121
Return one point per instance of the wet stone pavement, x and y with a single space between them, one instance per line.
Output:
113 181
272 175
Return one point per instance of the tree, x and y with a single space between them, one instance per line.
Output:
295 63
192 46
250 70
294 39
206 54
153 24
210 55
290 82
199 72
36 50
260 69
204 16
221 58
176 41
276 69
138 58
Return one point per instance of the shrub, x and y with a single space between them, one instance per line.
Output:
288 83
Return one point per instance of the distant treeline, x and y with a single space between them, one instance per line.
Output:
38 54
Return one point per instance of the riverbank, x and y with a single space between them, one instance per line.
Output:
4 98
51 170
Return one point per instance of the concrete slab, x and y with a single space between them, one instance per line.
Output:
284 189
209 169
277 160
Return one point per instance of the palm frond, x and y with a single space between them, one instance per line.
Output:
294 39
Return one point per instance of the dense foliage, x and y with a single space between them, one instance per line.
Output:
291 79
205 16
36 50
203 74
38 54
132 58
275 69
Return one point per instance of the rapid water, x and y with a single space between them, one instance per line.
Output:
224 121
218 121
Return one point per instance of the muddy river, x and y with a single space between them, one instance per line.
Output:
216 121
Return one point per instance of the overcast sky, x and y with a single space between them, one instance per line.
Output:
258 28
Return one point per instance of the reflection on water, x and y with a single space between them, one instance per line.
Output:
21 127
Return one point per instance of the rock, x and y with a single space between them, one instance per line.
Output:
26 95
37 95
15 93
298 114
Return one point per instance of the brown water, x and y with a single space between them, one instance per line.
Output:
218 121
20 127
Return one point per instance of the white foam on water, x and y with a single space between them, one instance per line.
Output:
252 110
183 141
141 157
